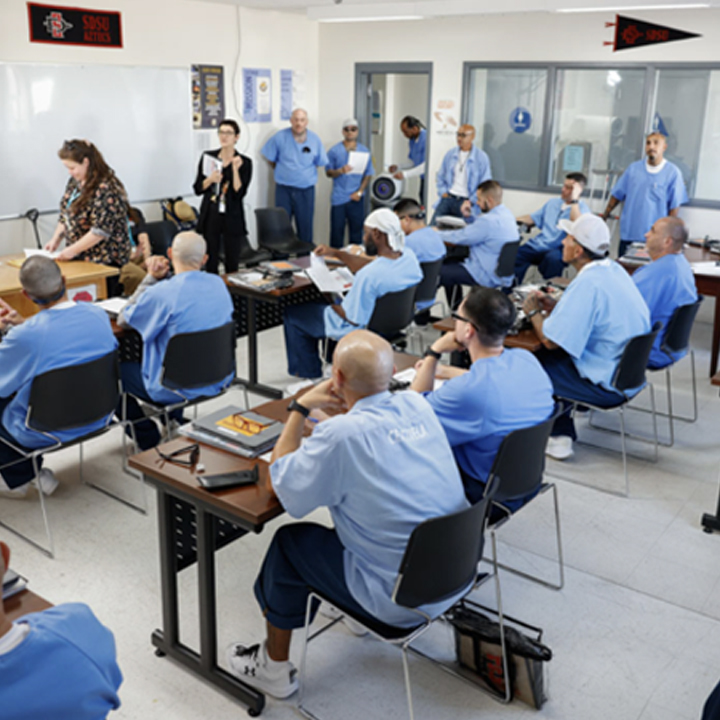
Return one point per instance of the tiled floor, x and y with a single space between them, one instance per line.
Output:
635 632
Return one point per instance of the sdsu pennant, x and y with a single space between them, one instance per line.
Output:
74 26
630 33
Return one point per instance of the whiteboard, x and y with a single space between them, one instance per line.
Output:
140 119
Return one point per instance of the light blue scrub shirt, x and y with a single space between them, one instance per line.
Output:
67 334
496 396
381 470
486 237
665 284
345 185
188 302
648 197
294 167
546 219
478 170
378 278
596 316
417 148
428 246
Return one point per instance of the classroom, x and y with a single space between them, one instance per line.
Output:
635 631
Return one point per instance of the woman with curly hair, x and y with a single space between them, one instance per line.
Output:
93 209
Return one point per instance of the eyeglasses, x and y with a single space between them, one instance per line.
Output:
457 316
350 129
226 132
241 423
173 457
464 134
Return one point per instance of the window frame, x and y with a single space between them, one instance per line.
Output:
652 71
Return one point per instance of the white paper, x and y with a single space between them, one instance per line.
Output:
450 221
246 278
112 306
328 281
706 268
408 375
210 164
43 253
358 162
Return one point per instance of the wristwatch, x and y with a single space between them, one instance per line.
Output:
429 352
532 313
297 407
573 202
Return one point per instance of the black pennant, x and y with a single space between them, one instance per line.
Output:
630 33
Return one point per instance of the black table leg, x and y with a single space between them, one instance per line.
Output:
711 523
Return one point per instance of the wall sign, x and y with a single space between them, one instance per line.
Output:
257 95
520 120
292 92
208 96
74 26
630 33
446 122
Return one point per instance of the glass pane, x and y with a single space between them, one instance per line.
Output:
507 108
707 185
597 121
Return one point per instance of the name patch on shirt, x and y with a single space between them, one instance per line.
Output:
409 434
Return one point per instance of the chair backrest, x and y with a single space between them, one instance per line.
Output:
427 288
393 312
506 260
630 372
74 396
274 229
520 462
198 359
441 557
161 234
677 333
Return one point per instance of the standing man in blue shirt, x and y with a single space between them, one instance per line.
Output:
545 249
667 282
164 306
463 169
650 189
63 333
295 155
588 328
485 238
504 390
416 134
381 469
347 206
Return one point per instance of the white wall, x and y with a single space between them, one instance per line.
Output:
535 37
179 33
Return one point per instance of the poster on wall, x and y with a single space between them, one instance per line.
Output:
292 92
257 95
445 113
74 26
208 96
631 33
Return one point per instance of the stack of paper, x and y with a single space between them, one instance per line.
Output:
329 281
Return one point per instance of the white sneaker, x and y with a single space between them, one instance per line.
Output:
17 493
330 611
296 387
559 447
253 666
46 481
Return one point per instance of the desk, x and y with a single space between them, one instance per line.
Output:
76 273
525 339
256 310
708 285
24 603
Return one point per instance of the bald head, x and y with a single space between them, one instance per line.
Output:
41 279
298 122
465 137
365 362
188 249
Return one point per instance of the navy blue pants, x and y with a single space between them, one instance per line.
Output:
352 213
304 327
449 205
567 383
549 262
21 471
299 204
451 276
302 556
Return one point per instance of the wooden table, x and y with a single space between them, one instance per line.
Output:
526 339
77 273
24 603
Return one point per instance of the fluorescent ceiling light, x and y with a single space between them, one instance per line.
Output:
692 6
369 19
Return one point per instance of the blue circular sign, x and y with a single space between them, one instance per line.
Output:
520 120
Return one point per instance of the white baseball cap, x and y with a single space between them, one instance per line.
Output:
350 122
590 231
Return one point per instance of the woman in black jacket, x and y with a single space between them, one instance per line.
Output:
223 178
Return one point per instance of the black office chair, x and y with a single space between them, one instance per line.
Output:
161 234
426 290
517 472
629 375
676 339
63 399
440 561
393 313
275 233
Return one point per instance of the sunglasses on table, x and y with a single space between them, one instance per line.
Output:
193 452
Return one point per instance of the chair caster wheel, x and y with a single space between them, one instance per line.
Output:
159 652
253 713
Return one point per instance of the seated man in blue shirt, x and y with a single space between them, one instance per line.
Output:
381 469
163 306
667 282
545 249
424 241
56 664
63 333
393 269
346 204
585 335
504 389
485 238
